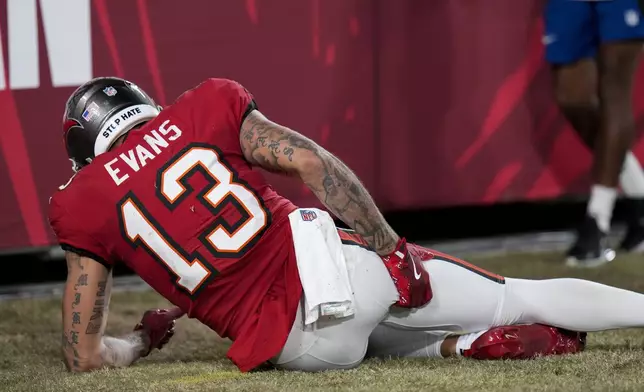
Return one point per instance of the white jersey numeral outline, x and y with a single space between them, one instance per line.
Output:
222 238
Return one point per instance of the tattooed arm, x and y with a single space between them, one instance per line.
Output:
85 305
279 149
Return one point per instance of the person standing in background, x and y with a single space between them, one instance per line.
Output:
594 47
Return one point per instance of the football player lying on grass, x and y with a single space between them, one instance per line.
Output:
175 195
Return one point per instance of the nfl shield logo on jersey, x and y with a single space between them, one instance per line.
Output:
109 91
308 215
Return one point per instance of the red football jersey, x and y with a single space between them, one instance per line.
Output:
178 204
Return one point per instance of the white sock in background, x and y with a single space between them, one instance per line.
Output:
632 177
600 205
464 342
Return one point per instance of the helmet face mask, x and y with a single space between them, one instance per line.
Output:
98 113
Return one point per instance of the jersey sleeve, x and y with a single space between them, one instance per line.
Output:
74 237
231 95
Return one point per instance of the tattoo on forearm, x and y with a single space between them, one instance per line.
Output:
77 298
68 344
82 281
337 187
93 328
70 337
96 320
101 288
343 194
97 312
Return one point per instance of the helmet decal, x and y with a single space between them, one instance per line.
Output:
110 91
91 112
121 122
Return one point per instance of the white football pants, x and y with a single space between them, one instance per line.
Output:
465 300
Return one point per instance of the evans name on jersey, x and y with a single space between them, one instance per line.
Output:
137 157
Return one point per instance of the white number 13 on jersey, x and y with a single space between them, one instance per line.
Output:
222 238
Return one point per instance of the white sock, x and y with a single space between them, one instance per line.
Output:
600 205
632 177
388 342
464 342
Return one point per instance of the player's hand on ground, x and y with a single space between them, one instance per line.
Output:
157 326
409 276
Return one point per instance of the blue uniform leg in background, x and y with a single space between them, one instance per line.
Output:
594 49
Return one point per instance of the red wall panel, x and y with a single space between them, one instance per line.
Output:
432 103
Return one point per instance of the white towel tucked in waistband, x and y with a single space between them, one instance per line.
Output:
321 265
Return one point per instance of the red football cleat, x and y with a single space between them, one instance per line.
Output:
525 342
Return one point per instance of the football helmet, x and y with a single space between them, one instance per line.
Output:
100 111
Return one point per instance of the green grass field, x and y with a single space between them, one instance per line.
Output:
194 360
